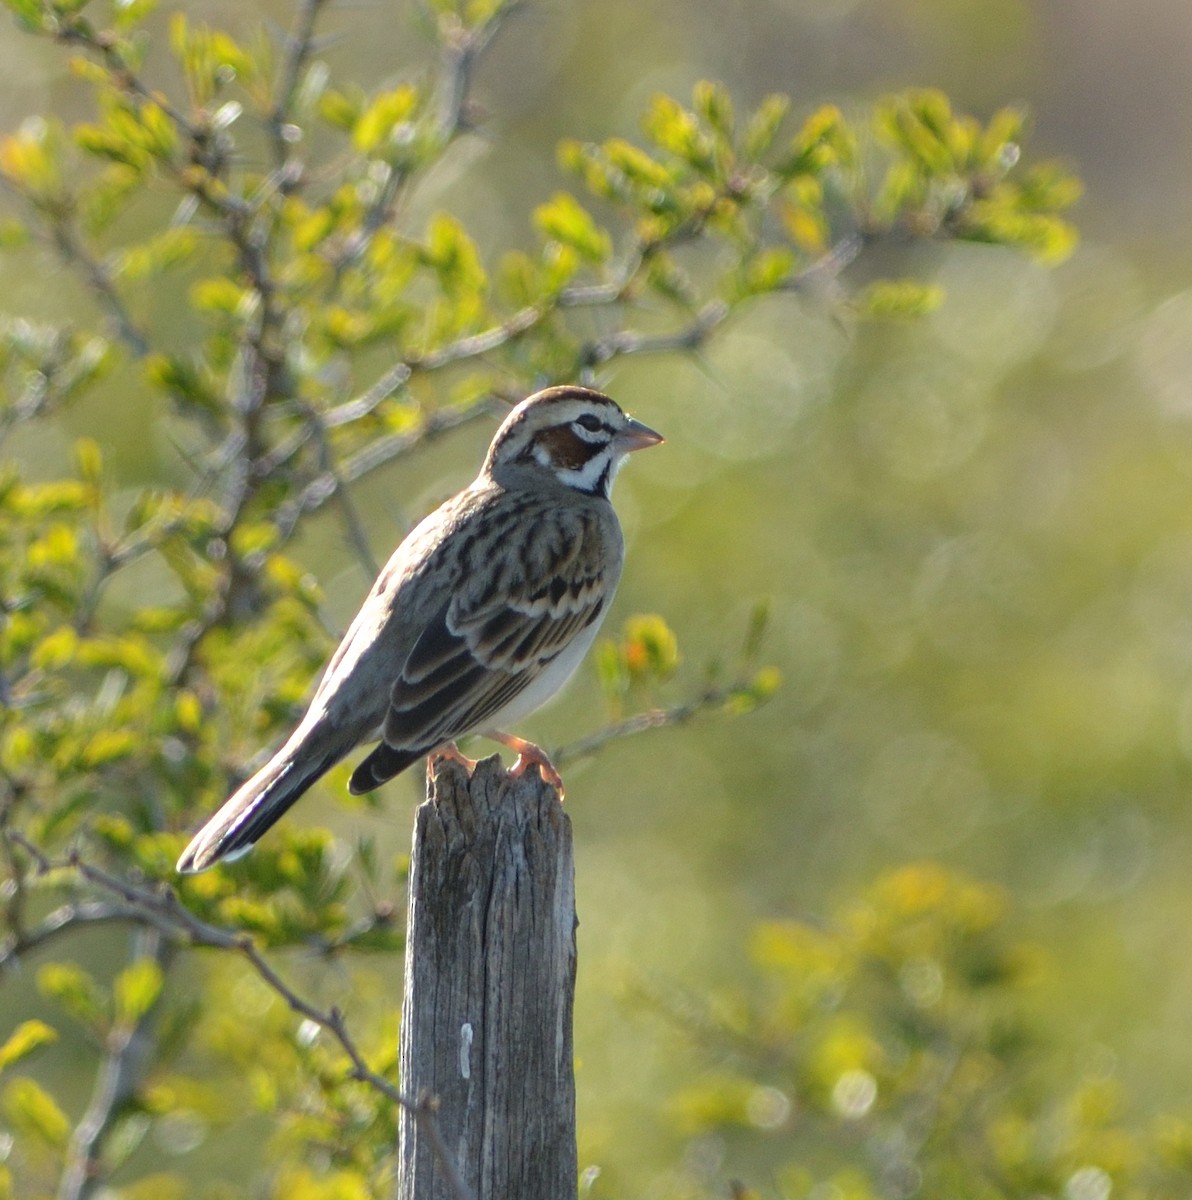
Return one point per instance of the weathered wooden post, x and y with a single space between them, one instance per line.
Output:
486 1024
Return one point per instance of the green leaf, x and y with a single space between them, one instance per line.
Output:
716 1101
899 298
157 130
764 684
185 379
33 1111
32 15
29 1036
40 501
312 228
636 165
136 990
755 631
160 1185
114 831
72 987
29 160
649 647
378 123
89 460
108 746
768 269
610 668
714 104
763 125
565 220
104 143
1002 134
158 253
136 655
454 257
824 140
58 546
130 13
671 127
919 123
341 109
223 295
302 1183
56 650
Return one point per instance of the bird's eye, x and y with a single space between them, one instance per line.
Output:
589 422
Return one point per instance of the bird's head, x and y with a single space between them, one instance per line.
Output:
578 435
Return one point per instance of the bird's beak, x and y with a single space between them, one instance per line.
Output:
636 436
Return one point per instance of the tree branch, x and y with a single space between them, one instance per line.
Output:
299 45
376 454
99 279
461 49
63 920
654 718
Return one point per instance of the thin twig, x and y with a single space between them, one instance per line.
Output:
625 341
63 920
353 525
299 45
654 718
95 274
79 33
461 49
376 454
99 280
391 381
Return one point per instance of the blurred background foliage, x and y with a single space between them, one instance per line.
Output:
913 926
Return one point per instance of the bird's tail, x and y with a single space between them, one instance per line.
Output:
255 807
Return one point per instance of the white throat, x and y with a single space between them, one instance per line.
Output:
595 476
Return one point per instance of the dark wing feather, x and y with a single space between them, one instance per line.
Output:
509 615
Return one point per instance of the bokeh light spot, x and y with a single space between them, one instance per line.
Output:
1165 355
1089 1183
854 1094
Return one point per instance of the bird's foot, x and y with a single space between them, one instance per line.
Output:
452 753
529 755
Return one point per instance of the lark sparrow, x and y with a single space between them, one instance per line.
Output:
480 616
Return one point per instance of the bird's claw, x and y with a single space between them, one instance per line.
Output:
529 755
448 752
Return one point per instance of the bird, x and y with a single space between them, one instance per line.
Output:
482 613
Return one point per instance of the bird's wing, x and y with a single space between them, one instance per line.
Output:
508 616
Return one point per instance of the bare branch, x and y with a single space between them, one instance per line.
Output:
63 920
299 46
353 526
376 454
94 273
353 410
99 279
461 49
654 718
626 341
476 344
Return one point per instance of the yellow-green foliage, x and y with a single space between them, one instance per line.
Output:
892 1047
154 637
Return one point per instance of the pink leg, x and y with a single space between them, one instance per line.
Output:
450 751
528 755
